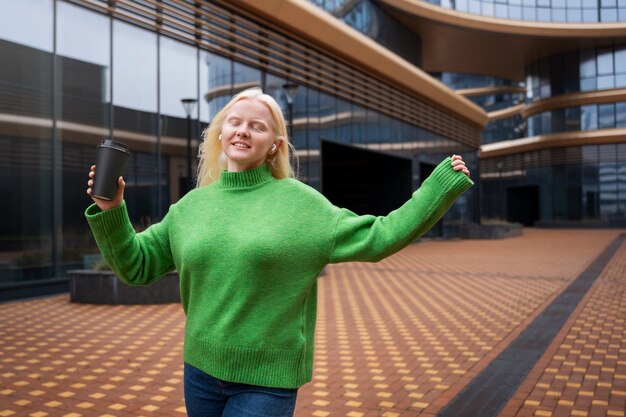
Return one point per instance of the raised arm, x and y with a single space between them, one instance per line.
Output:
136 258
371 238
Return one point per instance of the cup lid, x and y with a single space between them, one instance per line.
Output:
114 144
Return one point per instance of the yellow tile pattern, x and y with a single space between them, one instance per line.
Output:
71 360
587 375
392 337
403 331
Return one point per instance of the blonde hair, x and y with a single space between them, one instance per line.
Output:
212 160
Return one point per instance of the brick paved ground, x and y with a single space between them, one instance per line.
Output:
397 338
584 371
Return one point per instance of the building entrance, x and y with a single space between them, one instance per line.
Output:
364 181
522 204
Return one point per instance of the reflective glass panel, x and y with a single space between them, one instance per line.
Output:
27 23
245 77
515 12
608 15
134 71
588 63
574 15
606 116
26 152
328 116
216 84
608 181
529 13
83 98
589 117
605 82
135 122
590 15
620 114
543 14
558 15
178 76
178 80
605 61
620 59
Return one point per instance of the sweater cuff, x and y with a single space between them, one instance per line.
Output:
107 221
454 182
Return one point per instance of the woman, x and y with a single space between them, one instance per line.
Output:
248 244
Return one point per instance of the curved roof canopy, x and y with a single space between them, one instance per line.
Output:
321 28
467 43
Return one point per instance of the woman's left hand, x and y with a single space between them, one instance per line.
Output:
459 165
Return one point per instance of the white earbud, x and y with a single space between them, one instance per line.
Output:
219 137
273 148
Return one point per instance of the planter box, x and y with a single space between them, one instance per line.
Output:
491 231
103 287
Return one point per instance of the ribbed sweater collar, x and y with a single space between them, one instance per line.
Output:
244 179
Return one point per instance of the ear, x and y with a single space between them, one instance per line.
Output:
279 142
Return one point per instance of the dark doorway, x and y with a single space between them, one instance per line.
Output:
522 204
364 181
591 205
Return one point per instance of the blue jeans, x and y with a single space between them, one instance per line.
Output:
206 396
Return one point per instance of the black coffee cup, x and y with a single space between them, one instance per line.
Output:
110 162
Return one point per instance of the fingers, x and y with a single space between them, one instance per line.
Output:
90 182
119 195
459 165
457 161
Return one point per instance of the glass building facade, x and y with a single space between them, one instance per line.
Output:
557 11
569 96
73 73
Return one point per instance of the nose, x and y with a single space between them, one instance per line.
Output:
243 131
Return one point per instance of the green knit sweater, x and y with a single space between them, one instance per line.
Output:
248 249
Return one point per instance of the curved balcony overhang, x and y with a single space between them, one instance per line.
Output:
506 113
492 90
574 100
467 43
329 33
555 140
560 102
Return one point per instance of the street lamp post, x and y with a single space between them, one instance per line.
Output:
189 105
290 94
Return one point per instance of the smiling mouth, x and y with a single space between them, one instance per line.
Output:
241 145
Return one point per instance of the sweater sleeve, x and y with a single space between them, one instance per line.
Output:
370 238
136 258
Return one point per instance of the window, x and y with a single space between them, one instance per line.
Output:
606 116
605 61
589 117
620 113
27 23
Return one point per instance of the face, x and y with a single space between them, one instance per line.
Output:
248 135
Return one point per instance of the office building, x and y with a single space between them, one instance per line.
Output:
531 93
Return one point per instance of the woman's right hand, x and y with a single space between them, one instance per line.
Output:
105 205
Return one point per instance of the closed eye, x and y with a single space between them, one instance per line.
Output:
259 127
234 121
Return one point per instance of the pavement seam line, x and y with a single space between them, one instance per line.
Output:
492 388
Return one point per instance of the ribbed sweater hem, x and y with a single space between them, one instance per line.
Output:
114 220
269 367
454 183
